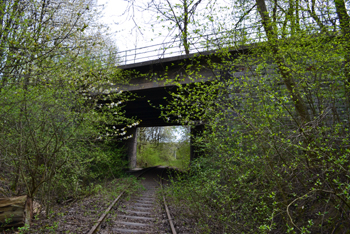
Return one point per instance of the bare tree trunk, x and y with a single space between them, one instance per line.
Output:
28 211
185 29
284 70
16 180
344 20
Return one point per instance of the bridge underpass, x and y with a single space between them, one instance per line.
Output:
147 84
144 109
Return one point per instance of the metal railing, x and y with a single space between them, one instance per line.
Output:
233 38
196 45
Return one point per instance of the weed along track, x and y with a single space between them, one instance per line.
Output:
139 213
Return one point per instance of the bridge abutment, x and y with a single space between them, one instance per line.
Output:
131 146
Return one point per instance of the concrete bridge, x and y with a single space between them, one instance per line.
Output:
148 66
147 81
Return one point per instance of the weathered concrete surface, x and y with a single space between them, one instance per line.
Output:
131 145
148 81
156 73
151 81
143 107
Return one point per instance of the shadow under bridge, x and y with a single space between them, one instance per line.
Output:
151 92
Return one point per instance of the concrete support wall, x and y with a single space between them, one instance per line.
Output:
195 150
131 146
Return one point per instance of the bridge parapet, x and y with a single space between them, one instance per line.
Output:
183 69
244 34
201 44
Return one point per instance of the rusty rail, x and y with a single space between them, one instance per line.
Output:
173 230
103 216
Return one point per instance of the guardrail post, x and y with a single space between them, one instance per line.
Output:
135 55
207 42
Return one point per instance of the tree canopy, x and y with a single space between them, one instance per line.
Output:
276 115
57 71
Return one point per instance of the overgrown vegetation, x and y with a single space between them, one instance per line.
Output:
275 147
68 217
58 104
160 146
276 140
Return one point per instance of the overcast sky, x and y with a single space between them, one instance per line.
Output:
132 28
127 36
125 32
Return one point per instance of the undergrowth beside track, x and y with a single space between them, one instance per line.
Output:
79 215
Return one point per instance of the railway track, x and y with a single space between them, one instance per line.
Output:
141 213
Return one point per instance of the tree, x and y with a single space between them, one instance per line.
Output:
275 155
153 135
52 76
177 17
158 145
344 21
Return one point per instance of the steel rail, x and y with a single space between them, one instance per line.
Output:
173 230
103 216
